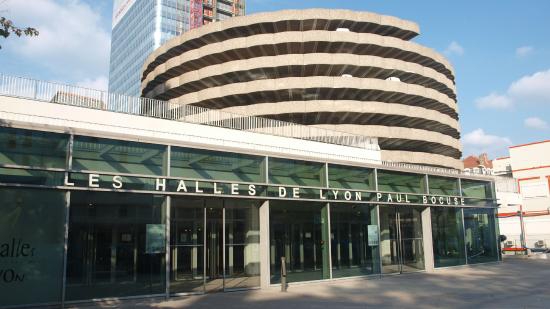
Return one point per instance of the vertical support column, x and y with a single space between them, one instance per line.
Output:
69 166
65 247
427 239
463 221
325 241
379 223
265 263
167 256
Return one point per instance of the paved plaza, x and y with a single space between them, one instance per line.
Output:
515 283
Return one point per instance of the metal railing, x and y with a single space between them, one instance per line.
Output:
119 103
102 100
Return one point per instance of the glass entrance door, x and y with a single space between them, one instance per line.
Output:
401 239
214 245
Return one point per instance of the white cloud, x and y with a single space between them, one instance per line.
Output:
524 51
535 123
530 89
478 141
72 42
99 83
454 49
494 101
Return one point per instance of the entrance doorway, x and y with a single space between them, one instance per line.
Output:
214 245
402 246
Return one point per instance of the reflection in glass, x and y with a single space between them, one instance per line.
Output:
112 251
216 165
116 156
448 236
31 245
197 253
477 189
391 181
299 232
294 172
242 244
443 185
354 251
33 148
480 230
401 243
350 177
186 245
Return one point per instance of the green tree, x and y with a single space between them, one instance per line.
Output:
7 27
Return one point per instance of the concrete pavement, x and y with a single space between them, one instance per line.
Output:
515 283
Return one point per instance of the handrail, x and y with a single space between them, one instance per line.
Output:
102 100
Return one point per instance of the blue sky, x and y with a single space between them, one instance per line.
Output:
500 51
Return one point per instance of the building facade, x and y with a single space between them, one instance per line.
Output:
529 165
129 199
348 71
141 26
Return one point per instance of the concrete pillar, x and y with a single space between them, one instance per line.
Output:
427 239
265 274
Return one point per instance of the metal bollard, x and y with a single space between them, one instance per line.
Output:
283 274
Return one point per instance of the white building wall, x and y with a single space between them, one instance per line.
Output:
530 166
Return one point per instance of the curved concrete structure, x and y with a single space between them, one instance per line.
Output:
349 71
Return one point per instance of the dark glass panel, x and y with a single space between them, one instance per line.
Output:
215 165
476 189
186 245
354 243
31 177
296 173
480 231
298 231
443 185
350 177
116 156
116 245
33 148
448 236
242 244
391 181
31 245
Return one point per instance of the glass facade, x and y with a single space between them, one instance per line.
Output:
481 238
214 245
31 245
131 231
145 26
448 237
299 233
116 245
354 240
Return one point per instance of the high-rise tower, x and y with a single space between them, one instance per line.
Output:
140 26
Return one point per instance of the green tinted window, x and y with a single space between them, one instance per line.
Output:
207 164
448 236
31 177
33 148
481 238
443 185
296 173
350 177
476 188
31 245
392 181
107 155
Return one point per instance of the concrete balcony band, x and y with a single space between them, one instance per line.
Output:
352 72
284 21
298 43
307 65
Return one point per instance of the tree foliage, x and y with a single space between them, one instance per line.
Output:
7 27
